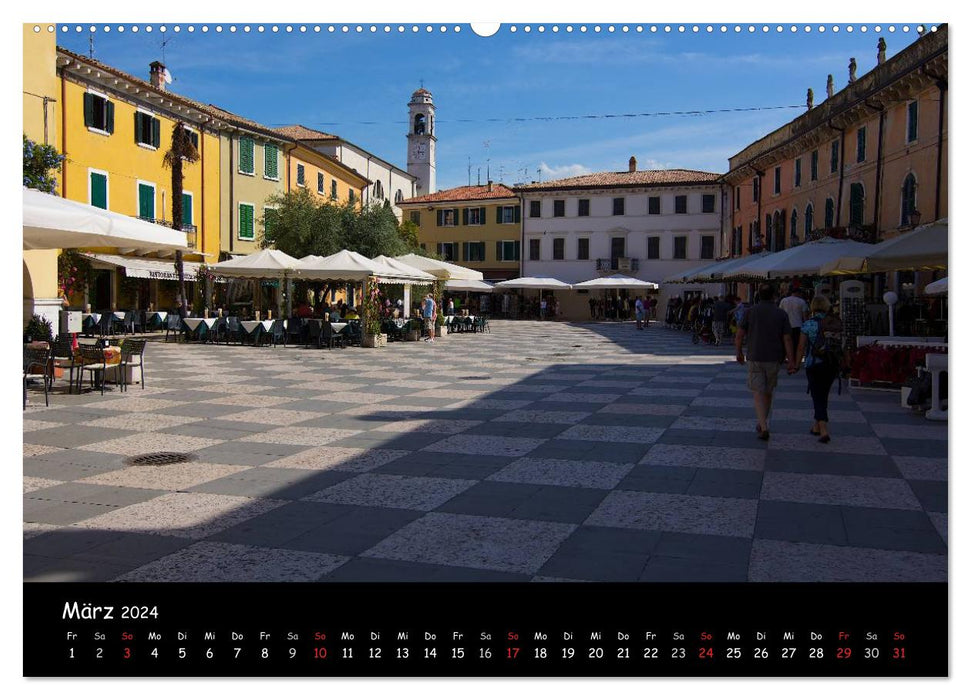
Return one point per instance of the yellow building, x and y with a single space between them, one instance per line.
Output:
478 226
115 131
42 125
324 177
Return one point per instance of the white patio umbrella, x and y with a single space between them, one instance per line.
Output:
468 286
406 273
616 282
533 283
686 275
343 266
924 248
52 222
441 269
805 259
267 263
938 287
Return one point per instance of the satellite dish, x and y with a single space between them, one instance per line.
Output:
166 76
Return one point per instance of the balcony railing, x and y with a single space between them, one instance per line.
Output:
189 229
618 264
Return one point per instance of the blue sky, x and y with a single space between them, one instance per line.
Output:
488 91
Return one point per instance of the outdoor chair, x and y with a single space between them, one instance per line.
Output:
106 323
314 331
62 352
352 333
482 324
217 330
329 338
127 324
93 360
138 322
232 330
37 366
173 325
295 330
276 334
132 355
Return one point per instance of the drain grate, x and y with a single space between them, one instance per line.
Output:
160 459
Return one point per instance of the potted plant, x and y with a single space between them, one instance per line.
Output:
413 329
372 336
38 329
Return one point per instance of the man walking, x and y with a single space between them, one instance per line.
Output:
719 317
428 313
769 345
798 311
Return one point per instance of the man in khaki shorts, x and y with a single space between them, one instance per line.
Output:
767 329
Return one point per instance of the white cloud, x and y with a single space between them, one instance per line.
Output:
558 172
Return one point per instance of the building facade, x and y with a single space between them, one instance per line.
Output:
324 177
648 224
478 227
115 132
869 162
388 183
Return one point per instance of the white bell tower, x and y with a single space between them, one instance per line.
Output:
421 140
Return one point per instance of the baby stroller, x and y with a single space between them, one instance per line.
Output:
702 330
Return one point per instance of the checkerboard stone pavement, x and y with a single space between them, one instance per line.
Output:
540 451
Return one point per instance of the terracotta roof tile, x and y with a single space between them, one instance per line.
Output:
464 194
303 133
626 179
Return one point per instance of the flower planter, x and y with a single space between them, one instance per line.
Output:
374 340
412 335
441 330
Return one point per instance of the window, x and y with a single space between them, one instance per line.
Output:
98 189
148 130
271 165
738 198
583 248
398 196
474 216
829 213
507 215
708 204
583 207
861 144
351 197
193 137
834 156
809 221
447 217
473 251
301 175
269 222
99 113
378 190
798 176
707 247
447 251
187 209
755 188
912 121
681 204
507 251
534 209
246 231
246 148
415 217
857 200
146 200
680 247
534 249
653 247
558 245
908 199
618 206
814 166
320 183
777 182
653 205
559 208
794 223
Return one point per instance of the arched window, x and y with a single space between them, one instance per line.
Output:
794 226
809 220
908 199
419 123
378 190
830 213
857 200
398 196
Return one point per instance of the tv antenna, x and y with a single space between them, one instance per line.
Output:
165 42
91 45
470 170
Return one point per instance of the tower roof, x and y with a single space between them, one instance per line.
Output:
421 92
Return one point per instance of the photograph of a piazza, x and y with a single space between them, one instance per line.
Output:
566 303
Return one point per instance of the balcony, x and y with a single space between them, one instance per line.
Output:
189 229
618 264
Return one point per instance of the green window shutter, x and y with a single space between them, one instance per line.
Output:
139 137
246 221
109 117
270 168
482 218
187 209
246 147
517 214
99 190
465 217
498 215
439 217
498 251
465 248
516 249
455 215
146 201
88 109
156 132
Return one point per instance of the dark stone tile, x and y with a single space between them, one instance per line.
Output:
41 569
526 501
390 441
201 410
657 479
602 554
510 429
353 532
446 465
246 454
280 525
94 494
726 483
392 571
321 406
287 391
630 419
900 447
663 568
841 463
188 395
68 436
887 528
931 494
207 429
704 547
800 522
622 452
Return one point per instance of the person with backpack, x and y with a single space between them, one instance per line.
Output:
821 343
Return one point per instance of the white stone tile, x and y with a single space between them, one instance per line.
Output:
34 529
221 562
836 417
563 472
38 450
35 483
571 397
922 468
929 431
249 400
644 409
485 445
723 402
662 391
810 443
546 417
169 477
300 435
354 397
706 457
738 425
139 405
867 491
668 512
940 524
490 404
443 426
774 560
142 443
393 491
145 422
31 425
351 459
273 416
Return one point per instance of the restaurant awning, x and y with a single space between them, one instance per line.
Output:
441 269
686 275
616 282
533 283
147 268
51 222
924 248
805 259
407 274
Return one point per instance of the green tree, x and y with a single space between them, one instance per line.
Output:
182 151
299 225
39 161
408 231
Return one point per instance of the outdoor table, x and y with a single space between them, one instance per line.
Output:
156 319
253 329
199 326
338 327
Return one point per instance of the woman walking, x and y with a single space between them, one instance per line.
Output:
821 342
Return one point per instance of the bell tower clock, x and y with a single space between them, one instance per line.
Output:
421 140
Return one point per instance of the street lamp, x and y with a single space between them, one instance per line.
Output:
914 217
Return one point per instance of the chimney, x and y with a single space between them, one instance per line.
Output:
489 186
881 51
632 164
157 71
829 85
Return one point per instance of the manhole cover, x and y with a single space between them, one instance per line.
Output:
473 378
159 459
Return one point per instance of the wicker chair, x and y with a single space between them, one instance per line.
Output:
62 353
132 355
37 366
94 361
